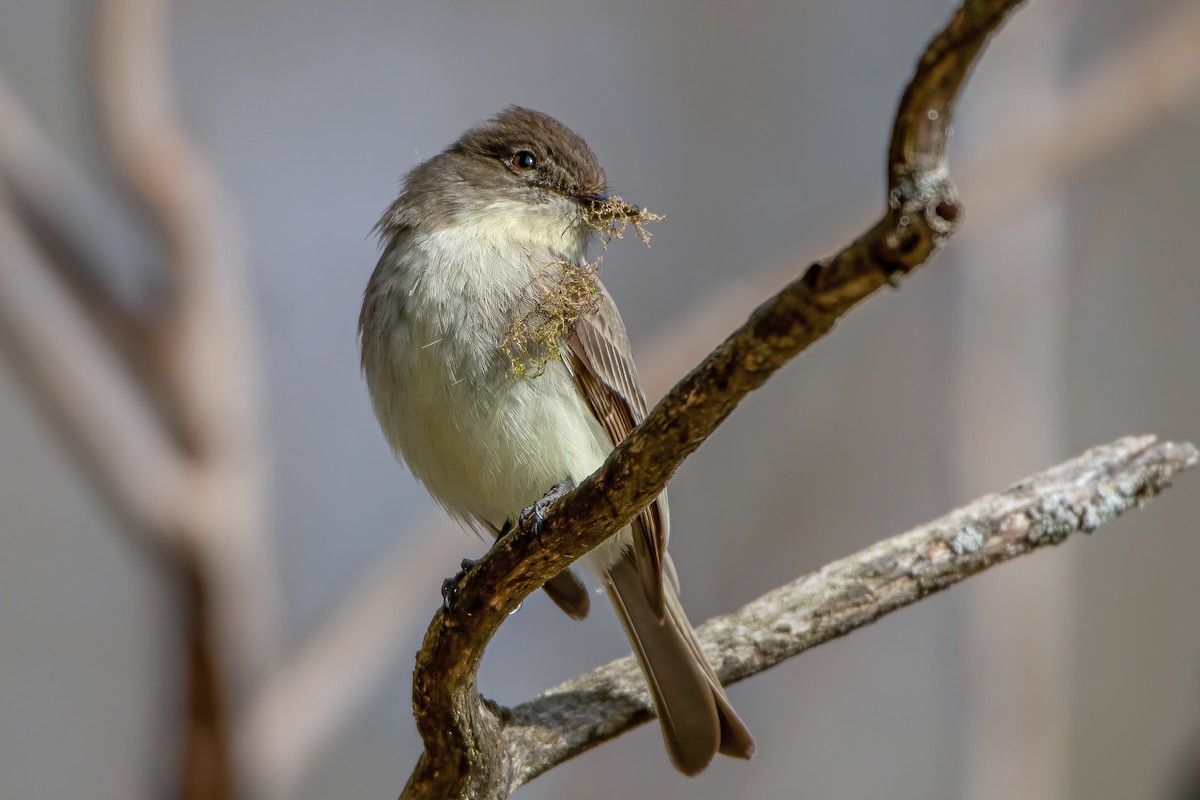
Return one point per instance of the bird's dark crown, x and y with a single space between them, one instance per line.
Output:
518 154
561 159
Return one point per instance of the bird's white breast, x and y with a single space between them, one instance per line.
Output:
485 442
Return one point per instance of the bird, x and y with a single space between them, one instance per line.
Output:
478 241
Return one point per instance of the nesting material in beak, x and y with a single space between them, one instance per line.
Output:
566 292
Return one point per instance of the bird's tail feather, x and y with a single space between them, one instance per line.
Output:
696 717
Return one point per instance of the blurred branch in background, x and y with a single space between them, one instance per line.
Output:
205 338
300 710
101 411
78 231
161 402
326 681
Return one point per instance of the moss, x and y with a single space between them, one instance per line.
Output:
567 292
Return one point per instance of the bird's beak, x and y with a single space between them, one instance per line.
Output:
593 200
607 207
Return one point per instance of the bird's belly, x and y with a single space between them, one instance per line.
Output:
485 443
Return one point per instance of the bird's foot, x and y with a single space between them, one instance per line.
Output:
451 584
538 510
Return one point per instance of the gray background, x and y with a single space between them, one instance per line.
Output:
759 129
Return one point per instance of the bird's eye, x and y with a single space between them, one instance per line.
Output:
524 160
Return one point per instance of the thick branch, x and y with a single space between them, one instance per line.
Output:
1041 510
464 756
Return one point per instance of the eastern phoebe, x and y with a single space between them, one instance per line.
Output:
480 237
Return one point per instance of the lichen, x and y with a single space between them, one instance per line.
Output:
1053 520
967 540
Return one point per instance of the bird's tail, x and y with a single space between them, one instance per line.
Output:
696 717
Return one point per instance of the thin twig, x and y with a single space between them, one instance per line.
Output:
1041 510
464 753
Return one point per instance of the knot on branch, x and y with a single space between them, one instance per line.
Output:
923 213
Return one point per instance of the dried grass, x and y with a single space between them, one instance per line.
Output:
567 292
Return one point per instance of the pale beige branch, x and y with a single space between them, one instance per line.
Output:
211 333
209 343
52 326
67 212
106 418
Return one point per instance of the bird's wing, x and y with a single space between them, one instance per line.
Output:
602 364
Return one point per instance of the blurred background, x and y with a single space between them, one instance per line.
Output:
192 483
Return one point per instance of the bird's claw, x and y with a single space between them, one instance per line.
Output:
537 511
451 584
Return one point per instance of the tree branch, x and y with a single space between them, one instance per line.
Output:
464 752
308 700
1041 510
